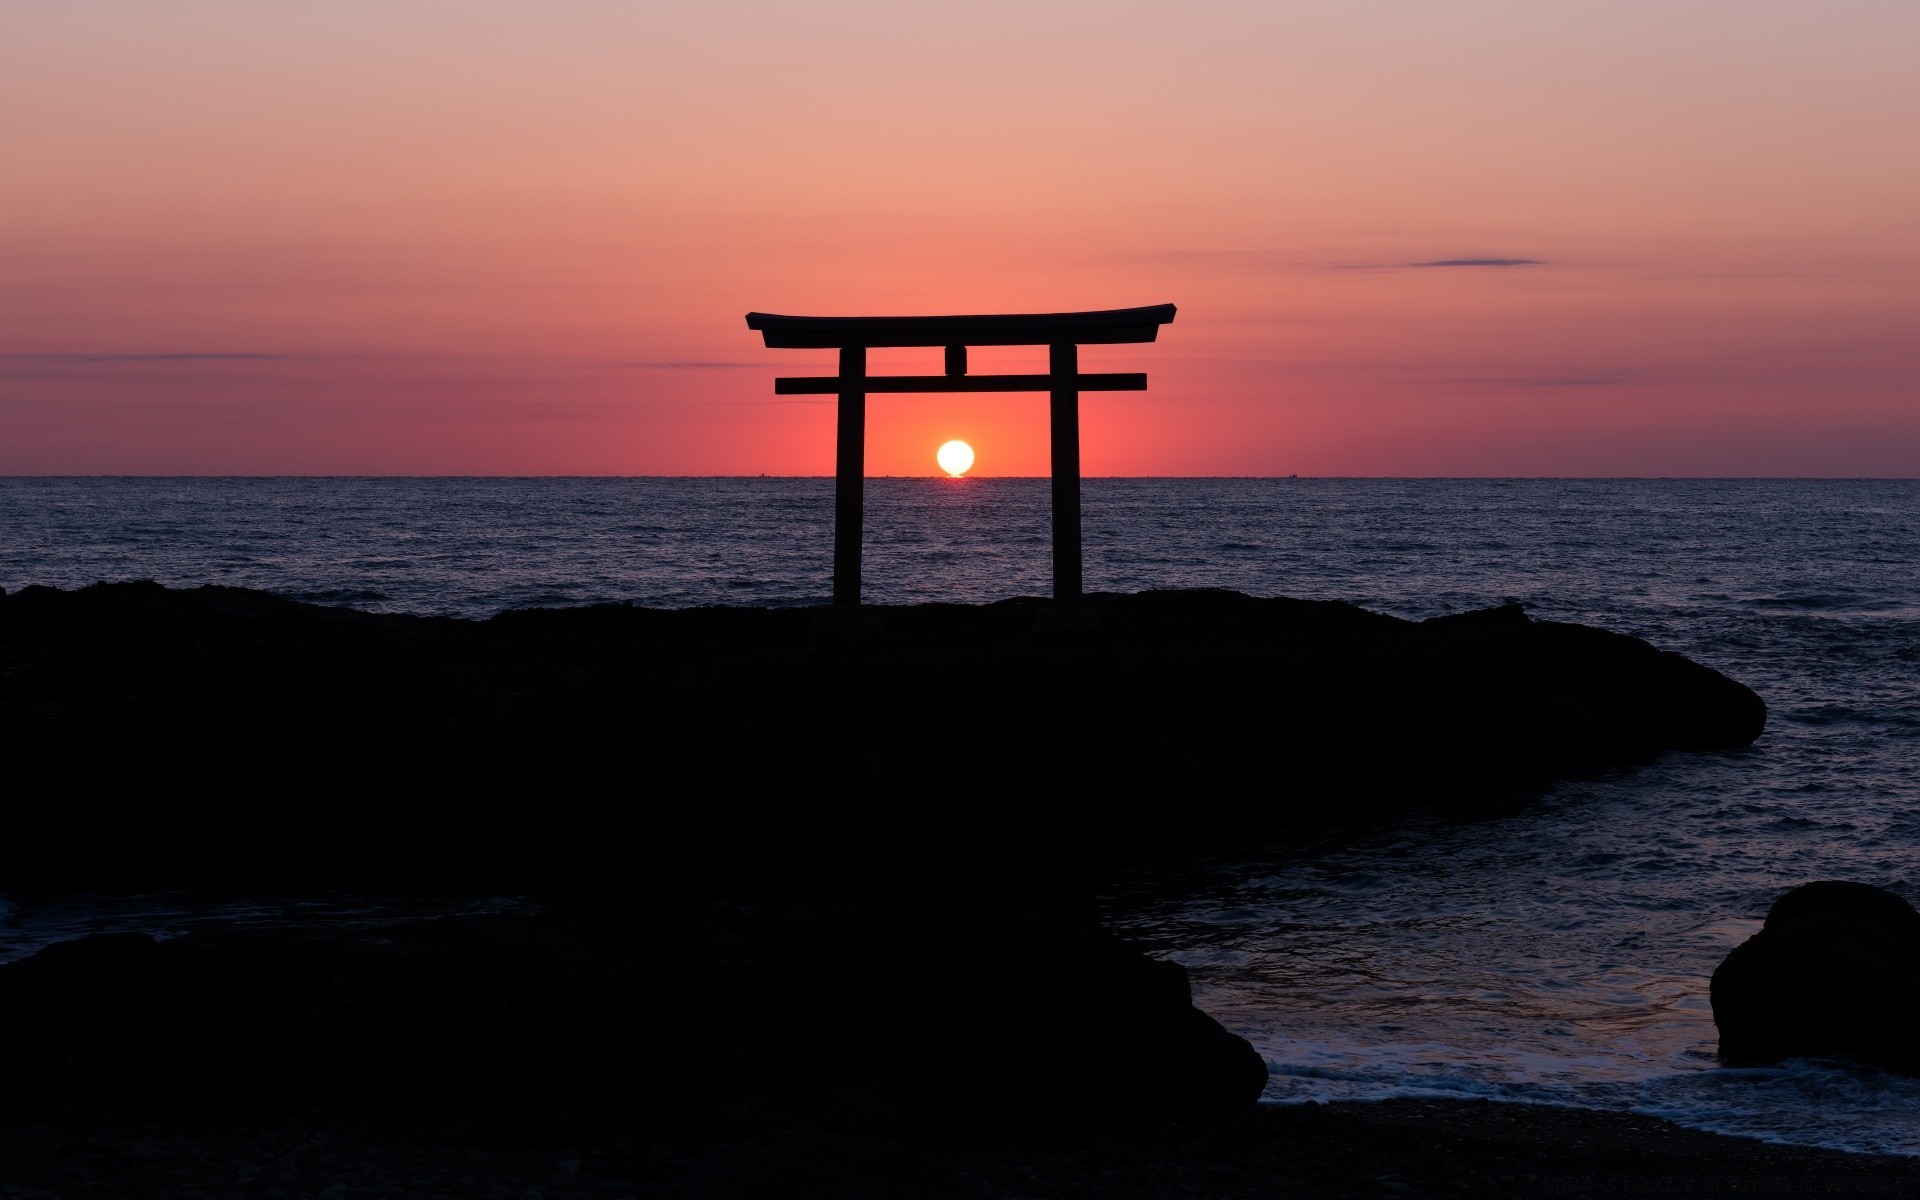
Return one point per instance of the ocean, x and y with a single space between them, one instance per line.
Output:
1555 951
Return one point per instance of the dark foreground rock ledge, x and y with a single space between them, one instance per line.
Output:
958 1011
239 734
711 1050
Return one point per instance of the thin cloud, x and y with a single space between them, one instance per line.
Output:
1275 260
1582 381
1571 379
1206 257
146 358
1480 262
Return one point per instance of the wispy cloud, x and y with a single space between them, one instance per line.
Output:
1574 379
1203 257
1480 262
219 356
1493 261
1226 261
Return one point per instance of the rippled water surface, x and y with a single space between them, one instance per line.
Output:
1556 951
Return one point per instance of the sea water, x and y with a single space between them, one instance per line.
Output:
1555 950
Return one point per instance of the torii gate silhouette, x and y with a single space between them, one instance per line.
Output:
1062 333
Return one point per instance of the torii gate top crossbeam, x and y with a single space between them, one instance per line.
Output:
1104 327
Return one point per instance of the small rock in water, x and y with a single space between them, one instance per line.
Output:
1835 970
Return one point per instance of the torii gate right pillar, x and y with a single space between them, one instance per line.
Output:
849 476
1063 369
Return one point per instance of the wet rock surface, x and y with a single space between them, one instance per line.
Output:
1834 971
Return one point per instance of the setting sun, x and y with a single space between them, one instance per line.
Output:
954 458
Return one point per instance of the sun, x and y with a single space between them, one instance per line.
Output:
954 458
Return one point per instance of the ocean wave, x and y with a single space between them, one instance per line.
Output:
341 596
1816 601
1809 1102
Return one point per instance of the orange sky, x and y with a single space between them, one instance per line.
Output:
514 238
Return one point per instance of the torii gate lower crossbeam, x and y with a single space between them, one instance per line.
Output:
1062 333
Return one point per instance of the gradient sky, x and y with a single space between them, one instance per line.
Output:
1406 238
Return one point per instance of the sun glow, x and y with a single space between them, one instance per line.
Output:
954 458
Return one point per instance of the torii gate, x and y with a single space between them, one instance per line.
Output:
1062 333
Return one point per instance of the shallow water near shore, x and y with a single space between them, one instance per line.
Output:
1556 951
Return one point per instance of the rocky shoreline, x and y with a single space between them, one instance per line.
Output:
814 895
234 736
678 1047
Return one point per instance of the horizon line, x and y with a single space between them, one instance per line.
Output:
962 479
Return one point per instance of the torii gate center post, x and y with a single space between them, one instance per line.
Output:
1062 333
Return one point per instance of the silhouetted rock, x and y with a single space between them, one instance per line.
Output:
1835 970
963 1013
233 736
1021 1018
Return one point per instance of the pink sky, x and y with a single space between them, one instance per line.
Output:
515 238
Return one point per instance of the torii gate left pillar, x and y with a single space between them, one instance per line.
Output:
1062 333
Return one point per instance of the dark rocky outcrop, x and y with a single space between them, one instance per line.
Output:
232 735
960 1011
814 897
1023 1016
1834 971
